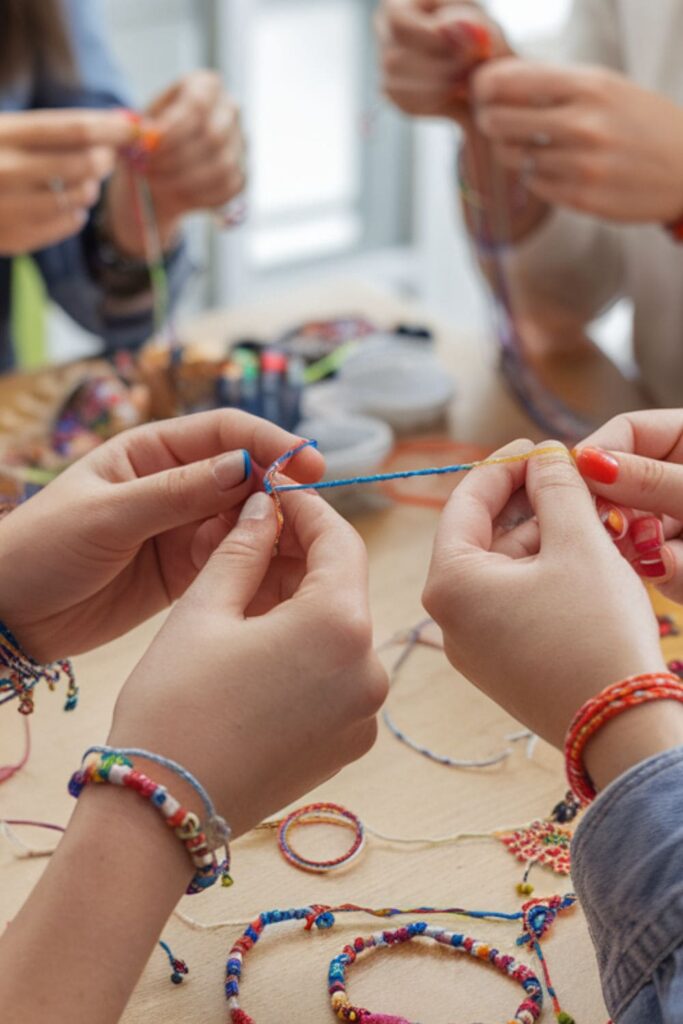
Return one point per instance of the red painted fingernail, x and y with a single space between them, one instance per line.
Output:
647 535
613 518
598 465
651 570
132 116
472 34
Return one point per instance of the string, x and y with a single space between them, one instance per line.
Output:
8 771
414 638
407 474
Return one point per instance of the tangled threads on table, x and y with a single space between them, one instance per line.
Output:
21 675
527 1012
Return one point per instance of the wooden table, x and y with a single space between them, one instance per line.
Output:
394 790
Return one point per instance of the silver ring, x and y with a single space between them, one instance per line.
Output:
58 188
541 140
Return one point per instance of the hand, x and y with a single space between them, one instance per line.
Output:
539 634
429 48
52 164
645 450
279 686
124 531
198 164
586 138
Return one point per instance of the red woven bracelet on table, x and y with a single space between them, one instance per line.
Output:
595 713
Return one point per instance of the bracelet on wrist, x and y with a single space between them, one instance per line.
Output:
596 712
20 674
115 767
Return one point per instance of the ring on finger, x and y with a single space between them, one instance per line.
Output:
58 189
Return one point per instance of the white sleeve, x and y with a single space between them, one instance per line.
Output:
572 259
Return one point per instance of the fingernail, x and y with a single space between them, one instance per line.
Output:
598 465
258 506
613 519
647 534
479 36
651 569
232 469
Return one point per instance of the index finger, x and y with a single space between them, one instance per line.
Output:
561 500
655 434
66 129
192 102
159 446
412 24
336 558
466 522
515 82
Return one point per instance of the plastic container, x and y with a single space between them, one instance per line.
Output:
409 390
352 446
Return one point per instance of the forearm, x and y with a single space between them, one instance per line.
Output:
103 899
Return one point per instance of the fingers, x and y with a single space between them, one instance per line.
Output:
655 434
467 522
39 206
238 566
646 484
560 499
66 129
412 25
39 235
155 447
192 101
521 83
31 168
175 497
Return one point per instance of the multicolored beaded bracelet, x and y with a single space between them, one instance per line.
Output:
24 674
321 814
527 1012
117 769
599 710
536 917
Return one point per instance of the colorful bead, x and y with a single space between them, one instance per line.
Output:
22 674
116 769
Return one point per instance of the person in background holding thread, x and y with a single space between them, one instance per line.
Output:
169 511
569 618
587 158
65 190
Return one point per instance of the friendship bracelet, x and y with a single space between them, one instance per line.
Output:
117 769
596 712
320 814
526 1013
25 673
536 918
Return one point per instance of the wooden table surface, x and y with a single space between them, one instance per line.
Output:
392 789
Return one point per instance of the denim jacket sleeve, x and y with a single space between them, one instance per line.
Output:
67 267
628 874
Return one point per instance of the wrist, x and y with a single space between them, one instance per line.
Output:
640 733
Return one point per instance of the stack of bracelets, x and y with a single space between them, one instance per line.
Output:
595 713
24 674
108 765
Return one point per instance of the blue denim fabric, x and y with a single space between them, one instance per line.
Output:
65 267
628 873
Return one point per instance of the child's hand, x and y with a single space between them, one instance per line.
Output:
538 633
263 680
646 450
122 533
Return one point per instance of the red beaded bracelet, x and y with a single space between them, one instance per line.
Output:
596 712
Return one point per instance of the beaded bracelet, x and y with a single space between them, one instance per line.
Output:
116 768
24 674
599 710
537 917
527 1012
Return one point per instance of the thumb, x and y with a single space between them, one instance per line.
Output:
237 568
